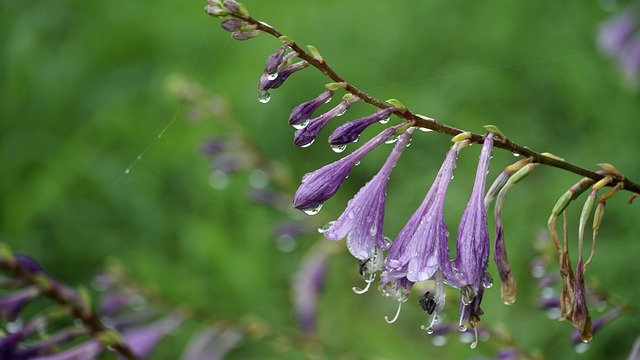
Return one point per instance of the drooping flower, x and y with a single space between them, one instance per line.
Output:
306 136
301 114
362 220
266 83
307 285
350 132
274 62
143 339
472 244
318 186
11 305
421 247
212 343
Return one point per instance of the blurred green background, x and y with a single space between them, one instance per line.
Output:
84 97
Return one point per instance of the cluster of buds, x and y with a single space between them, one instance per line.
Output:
124 321
228 11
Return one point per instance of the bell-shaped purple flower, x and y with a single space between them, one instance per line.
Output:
303 112
143 339
421 247
472 245
363 218
306 136
615 33
266 83
318 186
350 132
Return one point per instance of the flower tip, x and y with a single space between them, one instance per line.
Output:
461 137
396 103
286 40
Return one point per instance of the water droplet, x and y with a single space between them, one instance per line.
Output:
487 281
326 227
127 171
302 125
387 242
258 179
272 76
424 129
385 120
312 211
351 214
342 111
357 163
218 180
392 139
307 144
429 330
264 96
338 148
328 99
373 231
462 328
286 243
581 348
516 154
439 340
13 327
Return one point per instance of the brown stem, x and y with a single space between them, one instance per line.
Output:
435 125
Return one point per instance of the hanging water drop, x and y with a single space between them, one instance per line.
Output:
338 148
326 227
487 281
307 144
342 111
357 163
516 154
302 125
424 129
385 120
264 96
312 211
392 139
272 76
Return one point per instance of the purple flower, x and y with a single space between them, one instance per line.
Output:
350 132
266 83
307 285
302 113
232 25
318 186
306 136
10 306
363 218
421 247
143 339
211 344
472 244
88 350
615 33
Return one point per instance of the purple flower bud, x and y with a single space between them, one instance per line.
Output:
302 113
273 62
318 186
307 135
472 244
28 264
212 343
266 84
307 285
245 35
232 6
232 25
214 9
10 306
142 340
363 218
351 131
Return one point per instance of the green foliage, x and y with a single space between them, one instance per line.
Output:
83 98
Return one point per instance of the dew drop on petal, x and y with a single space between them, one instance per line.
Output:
338 148
341 112
384 121
272 76
313 211
308 144
424 129
357 163
326 227
264 96
516 154
302 125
